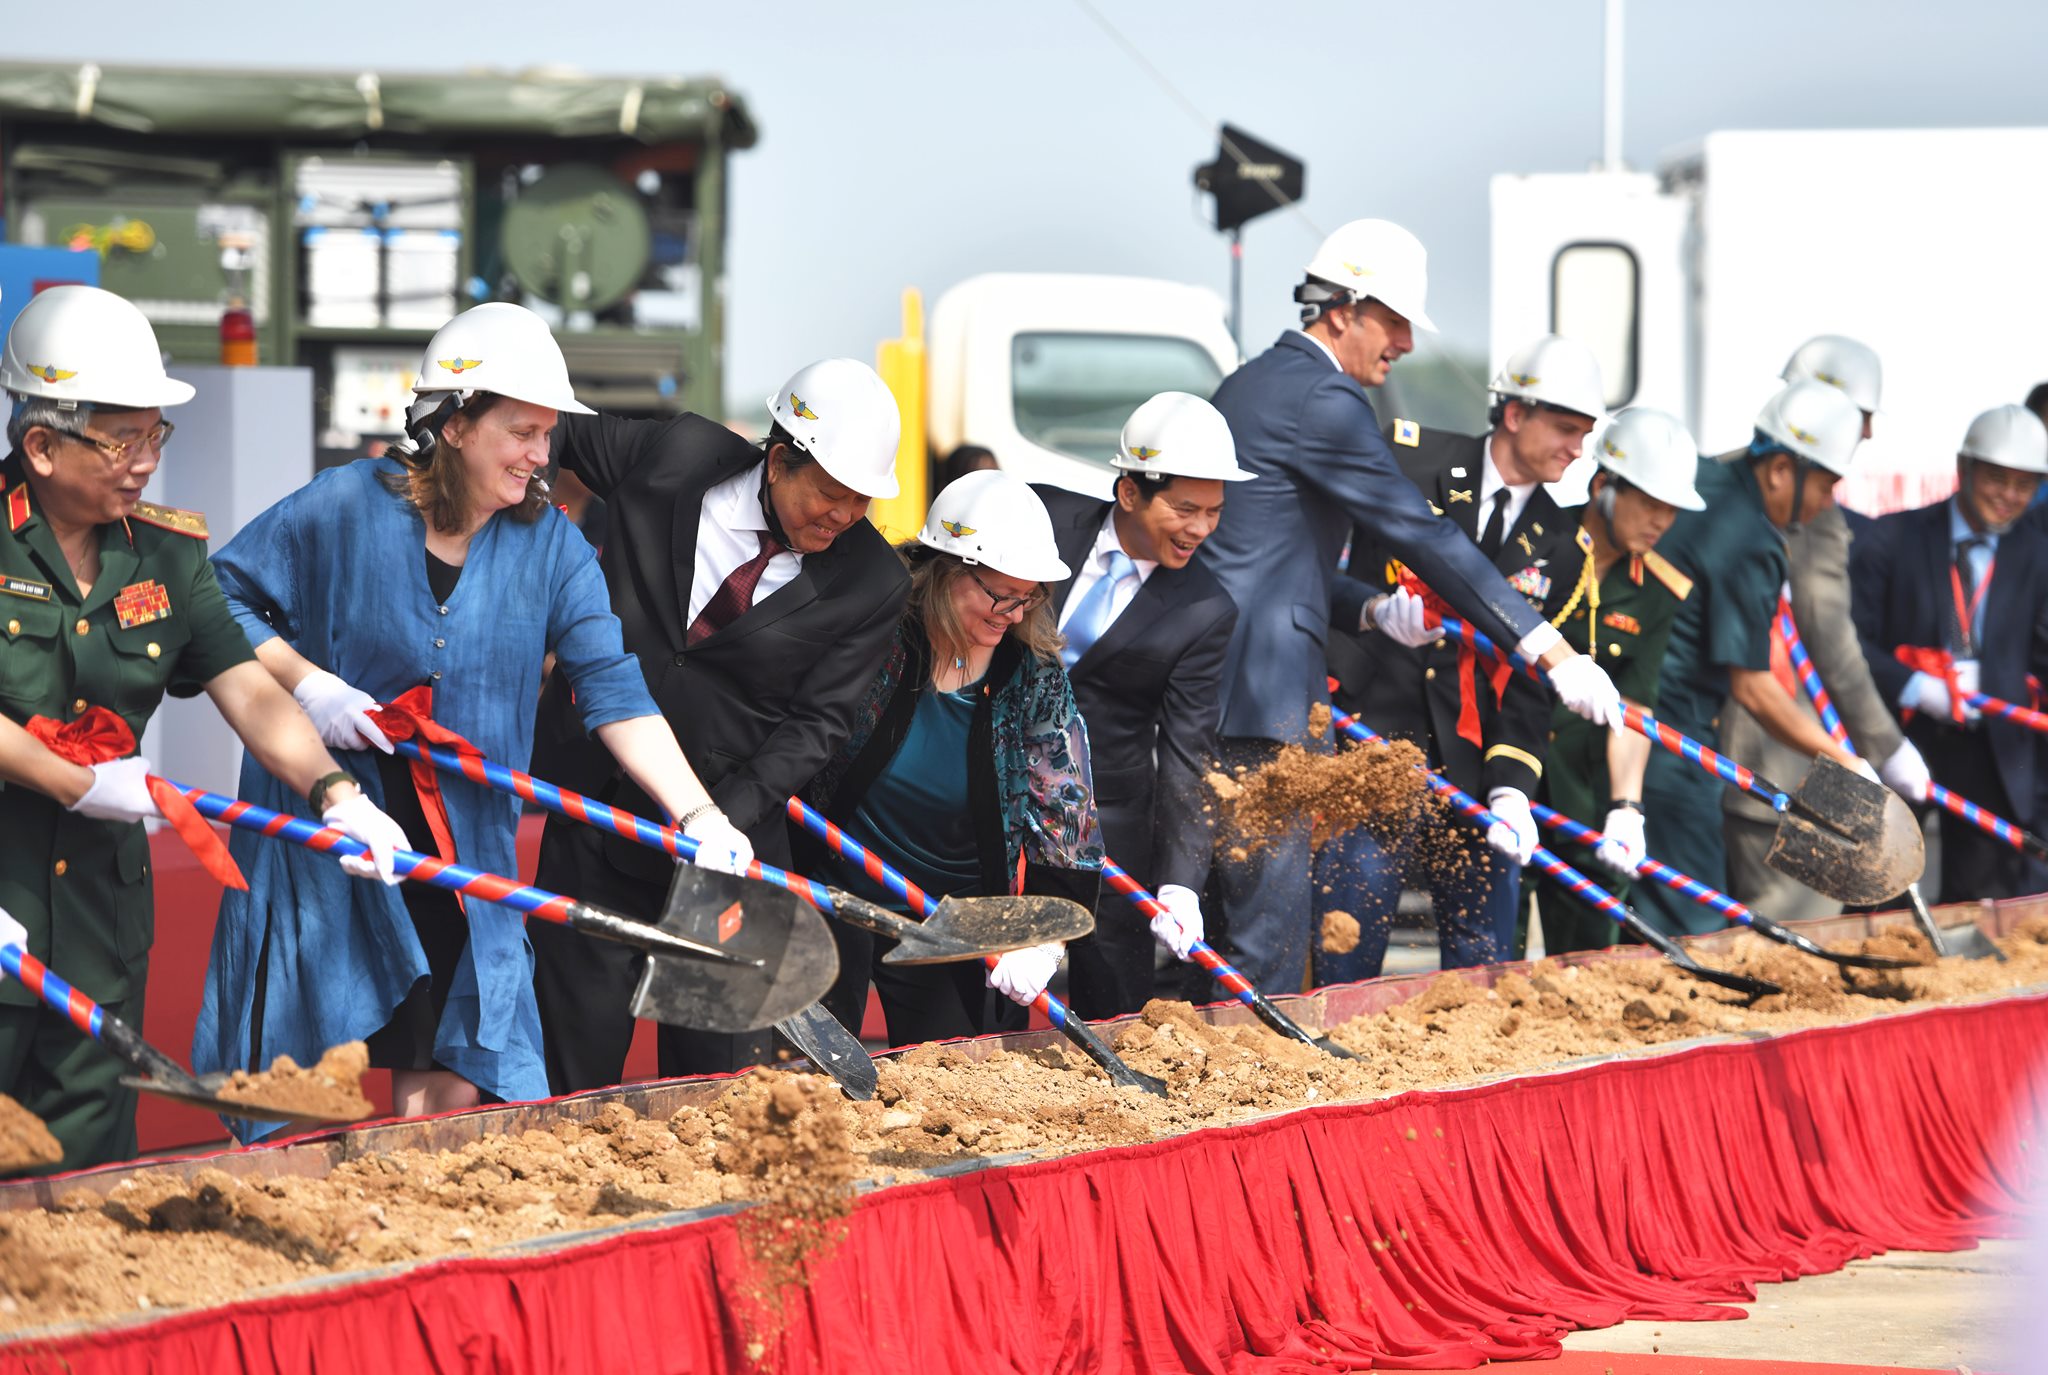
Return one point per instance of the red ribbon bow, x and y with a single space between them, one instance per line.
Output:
100 736
409 715
1498 672
1936 663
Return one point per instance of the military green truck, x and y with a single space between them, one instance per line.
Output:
349 214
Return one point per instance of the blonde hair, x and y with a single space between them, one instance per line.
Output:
438 487
933 576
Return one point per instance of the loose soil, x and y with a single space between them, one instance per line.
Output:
1376 786
1340 933
331 1089
24 1141
794 1143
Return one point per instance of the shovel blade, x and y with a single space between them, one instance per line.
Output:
1848 838
201 1091
749 919
828 1045
971 928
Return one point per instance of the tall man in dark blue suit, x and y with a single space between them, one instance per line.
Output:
1304 425
1964 578
1146 632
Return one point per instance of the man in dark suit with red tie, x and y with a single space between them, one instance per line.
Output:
759 601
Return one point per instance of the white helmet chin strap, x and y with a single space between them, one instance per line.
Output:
424 418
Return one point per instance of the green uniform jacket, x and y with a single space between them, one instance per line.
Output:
81 886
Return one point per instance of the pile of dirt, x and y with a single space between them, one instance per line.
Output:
794 1143
331 1089
24 1141
1376 786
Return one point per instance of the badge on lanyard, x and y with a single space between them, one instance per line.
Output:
139 603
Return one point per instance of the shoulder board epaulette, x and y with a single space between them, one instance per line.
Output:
1407 432
171 518
1661 568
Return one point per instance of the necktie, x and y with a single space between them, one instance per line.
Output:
1496 525
735 594
1969 569
1093 616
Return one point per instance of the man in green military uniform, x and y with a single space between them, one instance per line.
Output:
1720 649
107 602
1645 478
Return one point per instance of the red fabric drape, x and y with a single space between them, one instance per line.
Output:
1936 663
1498 670
1431 1229
100 736
410 715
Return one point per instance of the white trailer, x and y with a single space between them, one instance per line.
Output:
1694 284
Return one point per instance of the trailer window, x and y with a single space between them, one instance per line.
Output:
1073 392
1596 298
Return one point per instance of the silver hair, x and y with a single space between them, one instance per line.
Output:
30 412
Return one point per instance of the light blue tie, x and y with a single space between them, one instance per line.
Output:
1093 615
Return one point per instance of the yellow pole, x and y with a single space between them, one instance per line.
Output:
901 362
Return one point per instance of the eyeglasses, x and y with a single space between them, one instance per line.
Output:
1003 606
119 452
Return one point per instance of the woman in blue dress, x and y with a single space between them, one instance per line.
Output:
967 768
451 571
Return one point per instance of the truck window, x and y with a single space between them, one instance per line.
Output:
1073 392
1596 298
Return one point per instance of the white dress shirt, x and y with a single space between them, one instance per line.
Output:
1328 352
729 530
1490 481
1096 565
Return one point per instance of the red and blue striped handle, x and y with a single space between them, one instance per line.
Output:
1640 721
1203 953
1990 822
1809 677
1649 868
2019 715
604 817
39 979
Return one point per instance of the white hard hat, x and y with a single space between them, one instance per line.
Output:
841 413
82 346
1179 435
1376 259
1841 362
1652 451
1555 371
993 518
2009 436
1814 421
501 348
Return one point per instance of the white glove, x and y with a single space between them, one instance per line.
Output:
1925 692
119 792
1905 773
358 818
1586 691
1180 925
1968 678
1621 846
721 846
1399 617
1021 975
12 932
339 712
1513 831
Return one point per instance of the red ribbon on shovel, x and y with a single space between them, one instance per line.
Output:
1935 663
410 715
1434 609
100 736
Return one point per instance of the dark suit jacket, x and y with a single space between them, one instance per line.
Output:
1147 690
1901 595
1309 433
1414 693
761 705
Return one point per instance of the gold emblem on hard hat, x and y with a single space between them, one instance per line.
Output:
1524 379
458 366
1612 449
50 374
1143 454
1803 437
952 527
1355 270
1831 381
796 403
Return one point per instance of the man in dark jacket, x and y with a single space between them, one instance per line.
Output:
759 601
1146 630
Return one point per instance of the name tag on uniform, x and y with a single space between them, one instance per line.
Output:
139 603
22 587
1627 624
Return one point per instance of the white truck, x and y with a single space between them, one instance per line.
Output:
1694 284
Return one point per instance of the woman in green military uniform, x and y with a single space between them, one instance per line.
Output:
1647 462
107 601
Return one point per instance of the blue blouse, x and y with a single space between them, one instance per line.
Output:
337 570
915 814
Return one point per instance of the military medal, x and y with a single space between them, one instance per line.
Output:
139 603
1623 622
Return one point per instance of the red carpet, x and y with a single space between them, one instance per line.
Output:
1432 1230
1610 1363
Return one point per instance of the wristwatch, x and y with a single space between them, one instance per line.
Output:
316 797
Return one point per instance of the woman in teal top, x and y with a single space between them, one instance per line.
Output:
967 767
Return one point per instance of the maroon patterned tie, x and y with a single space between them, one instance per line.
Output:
735 594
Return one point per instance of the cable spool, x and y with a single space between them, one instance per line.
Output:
578 238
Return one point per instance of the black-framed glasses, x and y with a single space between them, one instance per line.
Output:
119 451
1003 606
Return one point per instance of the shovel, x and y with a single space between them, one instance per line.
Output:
1841 834
780 930
159 1073
1575 882
1714 898
1223 971
1056 1012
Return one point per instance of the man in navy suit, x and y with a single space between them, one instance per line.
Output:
1948 602
1305 427
1146 632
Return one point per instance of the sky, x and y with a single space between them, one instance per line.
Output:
920 142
